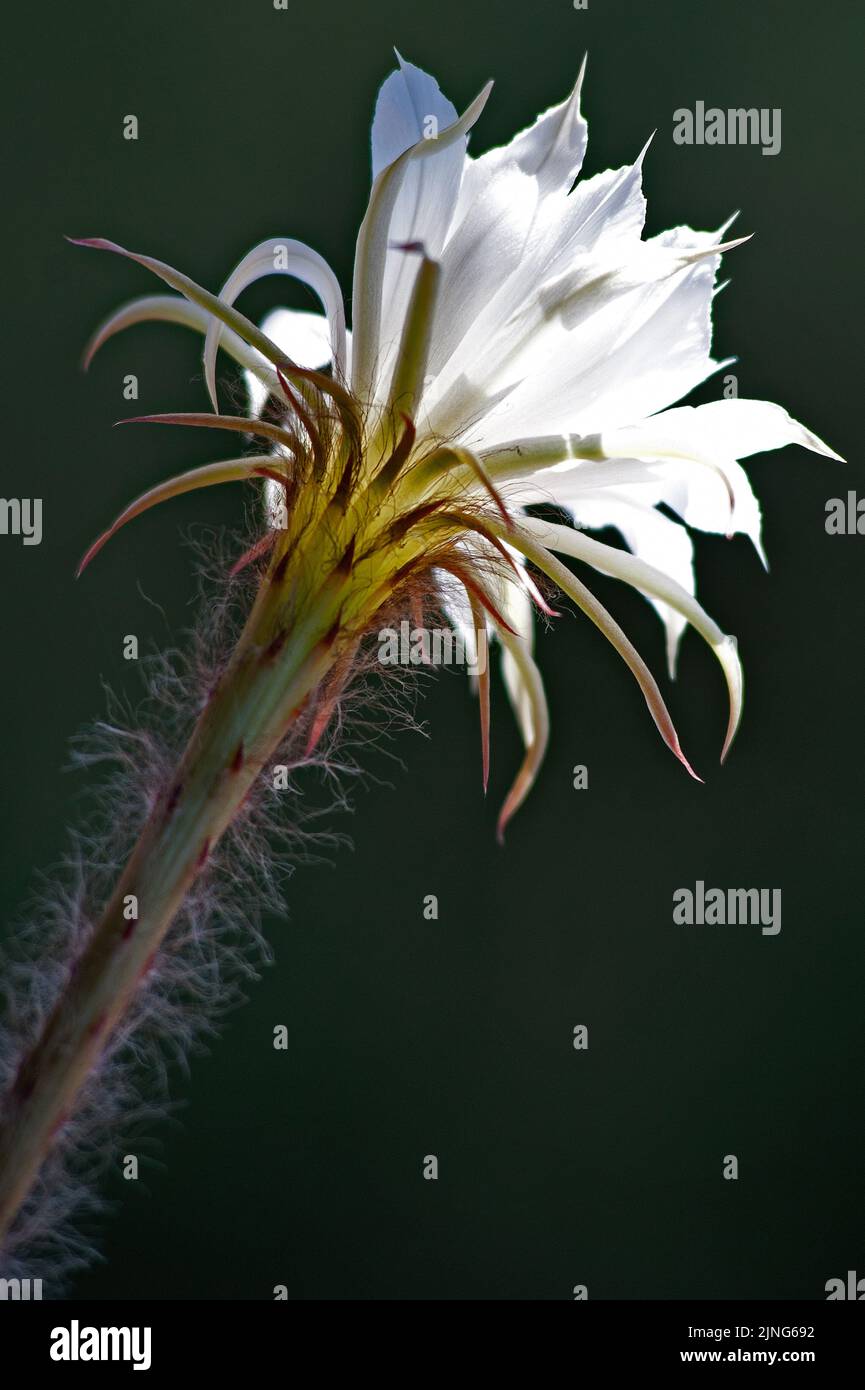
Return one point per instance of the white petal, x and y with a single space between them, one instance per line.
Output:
477 259
547 236
677 442
619 563
173 309
406 99
711 494
411 108
534 719
551 150
738 428
639 352
412 200
500 216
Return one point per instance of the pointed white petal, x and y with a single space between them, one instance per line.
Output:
740 427
408 99
412 201
551 150
476 261
691 455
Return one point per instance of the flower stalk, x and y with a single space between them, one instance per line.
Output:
257 699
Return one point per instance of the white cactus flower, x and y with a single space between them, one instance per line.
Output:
515 341
553 343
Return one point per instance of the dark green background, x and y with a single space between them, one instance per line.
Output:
454 1038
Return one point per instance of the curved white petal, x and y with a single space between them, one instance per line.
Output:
170 308
709 494
238 323
282 256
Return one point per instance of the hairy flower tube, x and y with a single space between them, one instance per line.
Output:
515 342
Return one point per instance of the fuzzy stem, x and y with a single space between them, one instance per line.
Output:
244 722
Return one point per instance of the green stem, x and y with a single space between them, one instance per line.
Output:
245 722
